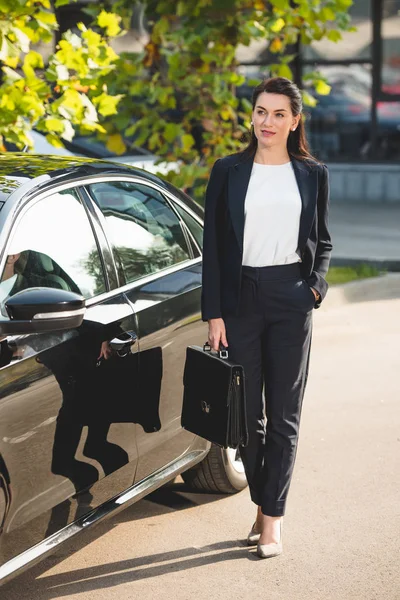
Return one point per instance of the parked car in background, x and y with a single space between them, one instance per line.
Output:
90 147
41 146
100 290
141 158
339 126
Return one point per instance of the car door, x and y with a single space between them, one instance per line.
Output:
67 418
160 267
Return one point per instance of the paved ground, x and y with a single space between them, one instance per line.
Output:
365 231
342 528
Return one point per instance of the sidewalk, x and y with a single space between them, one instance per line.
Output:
365 233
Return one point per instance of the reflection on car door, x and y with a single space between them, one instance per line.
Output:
162 281
67 413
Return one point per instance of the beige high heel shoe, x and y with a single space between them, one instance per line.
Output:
253 537
274 549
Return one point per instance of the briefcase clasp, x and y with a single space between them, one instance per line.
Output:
222 352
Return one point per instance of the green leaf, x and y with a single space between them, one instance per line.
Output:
171 132
131 130
187 142
334 35
328 14
62 2
285 71
154 141
246 105
281 4
343 4
181 9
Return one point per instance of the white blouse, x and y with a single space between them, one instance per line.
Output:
272 216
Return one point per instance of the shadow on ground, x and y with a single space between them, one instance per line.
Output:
176 496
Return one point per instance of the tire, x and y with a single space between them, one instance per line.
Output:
3 504
221 472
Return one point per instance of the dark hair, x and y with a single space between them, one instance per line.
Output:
297 144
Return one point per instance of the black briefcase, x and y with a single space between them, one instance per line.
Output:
214 403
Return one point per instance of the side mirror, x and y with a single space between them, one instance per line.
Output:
40 309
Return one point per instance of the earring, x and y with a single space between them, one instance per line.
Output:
293 128
251 123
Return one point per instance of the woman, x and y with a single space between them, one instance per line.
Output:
266 253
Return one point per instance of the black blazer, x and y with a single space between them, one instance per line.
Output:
224 226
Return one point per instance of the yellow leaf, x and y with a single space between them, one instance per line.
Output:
3 100
322 88
33 60
276 45
107 105
54 140
12 62
225 114
278 25
116 144
110 22
48 18
55 125
72 100
8 103
308 99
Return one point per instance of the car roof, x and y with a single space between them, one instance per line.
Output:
39 170
17 168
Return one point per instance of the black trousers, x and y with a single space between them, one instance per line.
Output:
271 338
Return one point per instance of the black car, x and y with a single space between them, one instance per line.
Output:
99 297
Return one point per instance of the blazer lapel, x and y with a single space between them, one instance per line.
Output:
238 182
307 182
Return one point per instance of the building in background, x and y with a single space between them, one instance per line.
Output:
356 128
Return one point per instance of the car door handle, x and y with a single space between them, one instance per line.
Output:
124 341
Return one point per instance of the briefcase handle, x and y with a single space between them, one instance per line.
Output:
222 352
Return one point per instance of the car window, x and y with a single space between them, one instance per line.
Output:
53 245
145 232
194 226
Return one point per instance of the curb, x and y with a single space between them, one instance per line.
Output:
391 265
383 287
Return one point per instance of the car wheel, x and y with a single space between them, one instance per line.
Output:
221 472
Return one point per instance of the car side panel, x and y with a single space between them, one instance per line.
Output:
63 453
168 312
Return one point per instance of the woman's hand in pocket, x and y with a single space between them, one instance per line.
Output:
217 333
